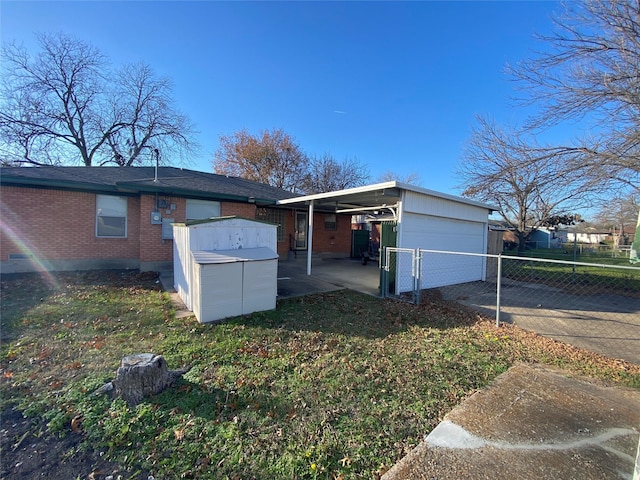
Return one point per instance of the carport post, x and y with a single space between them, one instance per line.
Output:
310 238
498 282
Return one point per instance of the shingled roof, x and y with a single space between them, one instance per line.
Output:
132 180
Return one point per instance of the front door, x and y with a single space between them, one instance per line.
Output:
302 227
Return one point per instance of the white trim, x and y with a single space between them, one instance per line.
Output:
383 186
336 193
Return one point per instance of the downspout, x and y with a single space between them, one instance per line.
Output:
310 238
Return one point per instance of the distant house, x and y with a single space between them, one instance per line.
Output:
78 218
548 238
591 236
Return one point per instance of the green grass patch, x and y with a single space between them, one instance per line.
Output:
600 277
335 385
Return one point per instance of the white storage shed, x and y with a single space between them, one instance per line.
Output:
225 266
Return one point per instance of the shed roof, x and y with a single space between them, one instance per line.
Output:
208 257
371 197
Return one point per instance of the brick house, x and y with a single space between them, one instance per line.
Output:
78 218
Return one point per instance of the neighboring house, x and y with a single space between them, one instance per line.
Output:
547 238
591 237
78 218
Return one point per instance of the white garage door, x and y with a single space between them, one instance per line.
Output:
438 233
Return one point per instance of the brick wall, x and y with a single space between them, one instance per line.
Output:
325 241
152 247
60 225
336 241
57 224
245 210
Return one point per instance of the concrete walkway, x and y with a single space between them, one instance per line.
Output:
532 423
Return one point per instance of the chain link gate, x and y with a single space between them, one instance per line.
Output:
400 272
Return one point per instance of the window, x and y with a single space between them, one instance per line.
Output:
111 216
273 215
330 221
201 209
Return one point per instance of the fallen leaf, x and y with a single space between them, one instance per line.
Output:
76 424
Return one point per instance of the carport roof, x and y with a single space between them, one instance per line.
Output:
379 196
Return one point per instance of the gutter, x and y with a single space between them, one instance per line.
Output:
12 181
187 192
128 189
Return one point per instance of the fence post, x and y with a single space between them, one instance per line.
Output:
418 263
383 278
499 282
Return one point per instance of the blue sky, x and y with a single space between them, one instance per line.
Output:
396 85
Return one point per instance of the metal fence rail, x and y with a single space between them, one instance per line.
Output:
590 305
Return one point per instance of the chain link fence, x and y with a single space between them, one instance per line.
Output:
590 305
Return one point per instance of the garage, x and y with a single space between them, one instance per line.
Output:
415 218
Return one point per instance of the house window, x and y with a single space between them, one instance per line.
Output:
201 209
273 215
111 216
330 221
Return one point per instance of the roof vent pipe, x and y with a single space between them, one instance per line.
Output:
156 153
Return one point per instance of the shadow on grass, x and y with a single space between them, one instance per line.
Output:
21 292
218 405
350 313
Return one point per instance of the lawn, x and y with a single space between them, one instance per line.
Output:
597 277
337 385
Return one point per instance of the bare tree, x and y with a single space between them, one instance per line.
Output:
590 72
618 214
326 174
65 106
412 178
272 157
510 171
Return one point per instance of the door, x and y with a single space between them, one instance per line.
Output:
302 227
388 238
359 243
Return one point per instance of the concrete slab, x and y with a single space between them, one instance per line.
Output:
532 423
326 275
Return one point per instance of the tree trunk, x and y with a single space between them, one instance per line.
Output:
141 375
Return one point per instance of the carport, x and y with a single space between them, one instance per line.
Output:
415 218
